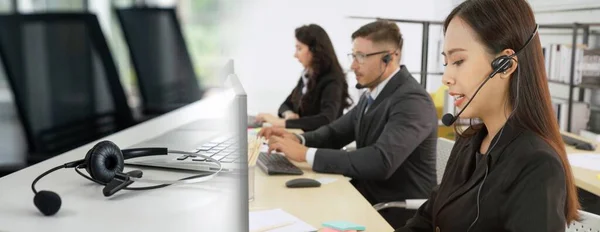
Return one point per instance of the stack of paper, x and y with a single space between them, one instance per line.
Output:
276 220
589 161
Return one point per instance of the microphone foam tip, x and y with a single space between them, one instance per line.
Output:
447 119
47 202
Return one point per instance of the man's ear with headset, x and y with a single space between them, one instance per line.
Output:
391 59
395 56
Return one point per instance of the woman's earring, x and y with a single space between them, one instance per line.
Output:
504 76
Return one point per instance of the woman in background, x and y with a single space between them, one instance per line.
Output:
321 94
511 172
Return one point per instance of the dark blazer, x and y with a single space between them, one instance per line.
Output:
321 106
396 144
523 191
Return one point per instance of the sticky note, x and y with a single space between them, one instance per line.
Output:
329 230
334 230
343 226
598 176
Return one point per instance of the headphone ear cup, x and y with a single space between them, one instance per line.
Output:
387 58
501 63
86 162
103 161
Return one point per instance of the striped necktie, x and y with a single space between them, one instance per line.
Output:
370 100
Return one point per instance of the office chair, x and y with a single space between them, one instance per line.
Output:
444 148
158 52
589 222
63 79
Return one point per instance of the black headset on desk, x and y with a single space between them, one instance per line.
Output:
105 163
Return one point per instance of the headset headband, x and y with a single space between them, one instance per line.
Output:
528 40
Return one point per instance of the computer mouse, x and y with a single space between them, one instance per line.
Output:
302 183
585 146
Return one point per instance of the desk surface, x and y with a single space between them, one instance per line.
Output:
317 205
5 94
208 206
338 200
585 178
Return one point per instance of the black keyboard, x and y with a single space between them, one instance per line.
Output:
224 149
277 164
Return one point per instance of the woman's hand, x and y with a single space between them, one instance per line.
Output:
271 119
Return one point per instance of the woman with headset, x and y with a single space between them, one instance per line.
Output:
510 172
321 94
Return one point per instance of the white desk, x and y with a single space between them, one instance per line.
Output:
586 179
216 205
334 201
330 202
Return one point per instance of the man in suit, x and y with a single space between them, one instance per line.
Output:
394 125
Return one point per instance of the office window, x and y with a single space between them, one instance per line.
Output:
198 18
118 47
200 23
5 6
63 5
29 6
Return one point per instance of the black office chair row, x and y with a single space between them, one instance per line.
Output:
65 83
160 58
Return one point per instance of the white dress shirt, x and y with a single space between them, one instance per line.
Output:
310 153
305 81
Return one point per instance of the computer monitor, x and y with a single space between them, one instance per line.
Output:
239 117
239 113
229 69
225 71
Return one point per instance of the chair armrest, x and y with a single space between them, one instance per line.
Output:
413 204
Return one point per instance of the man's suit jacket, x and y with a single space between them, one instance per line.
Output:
320 106
396 143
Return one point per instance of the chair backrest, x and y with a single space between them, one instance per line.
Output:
64 81
165 72
589 223
444 147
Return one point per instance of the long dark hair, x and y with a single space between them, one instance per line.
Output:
324 61
501 24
